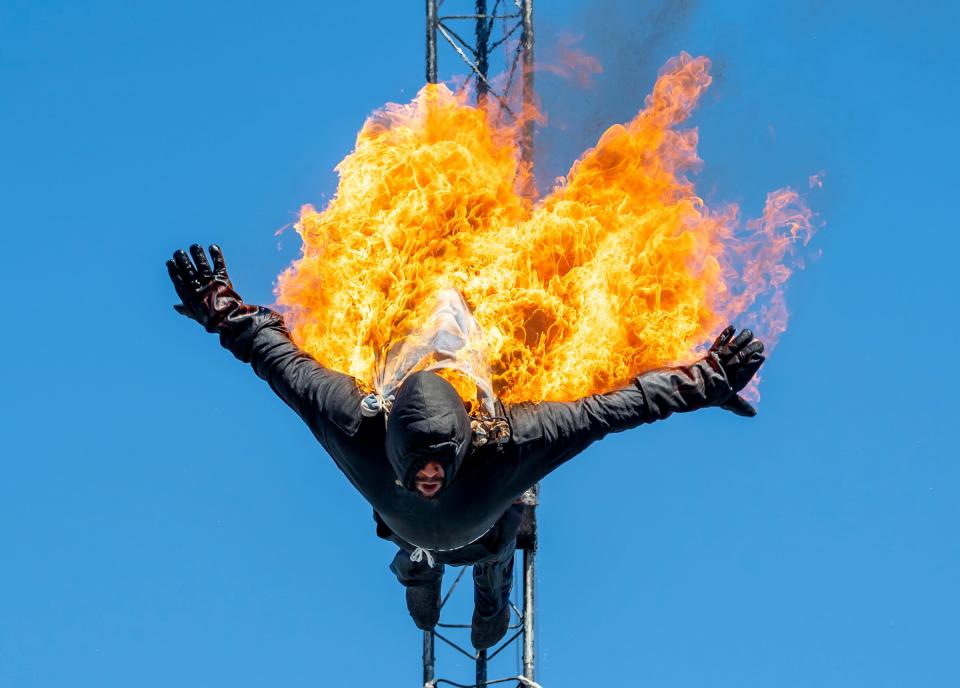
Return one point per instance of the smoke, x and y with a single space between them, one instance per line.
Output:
628 43
573 64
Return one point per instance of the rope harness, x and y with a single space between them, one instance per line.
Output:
485 429
374 404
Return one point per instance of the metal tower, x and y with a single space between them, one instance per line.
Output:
508 25
520 630
494 28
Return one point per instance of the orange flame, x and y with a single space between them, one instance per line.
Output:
621 268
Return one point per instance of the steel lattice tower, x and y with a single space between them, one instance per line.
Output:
506 25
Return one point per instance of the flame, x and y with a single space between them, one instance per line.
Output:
620 269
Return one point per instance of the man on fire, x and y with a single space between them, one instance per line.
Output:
439 494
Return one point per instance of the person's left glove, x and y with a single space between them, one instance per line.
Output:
740 358
207 296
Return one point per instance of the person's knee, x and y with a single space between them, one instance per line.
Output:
411 573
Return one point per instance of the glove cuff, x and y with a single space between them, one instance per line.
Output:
240 328
684 388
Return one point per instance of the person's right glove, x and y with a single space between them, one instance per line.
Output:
206 293
740 358
208 297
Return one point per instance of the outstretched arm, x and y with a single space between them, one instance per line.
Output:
257 335
546 435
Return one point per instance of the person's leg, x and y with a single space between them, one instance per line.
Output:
413 573
492 583
423 588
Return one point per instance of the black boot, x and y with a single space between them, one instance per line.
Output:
486 632
423 603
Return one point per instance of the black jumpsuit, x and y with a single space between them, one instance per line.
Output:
473 520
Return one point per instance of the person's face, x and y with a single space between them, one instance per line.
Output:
429 479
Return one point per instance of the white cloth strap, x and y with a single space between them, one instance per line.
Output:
417 556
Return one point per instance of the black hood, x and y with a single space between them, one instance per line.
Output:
428 422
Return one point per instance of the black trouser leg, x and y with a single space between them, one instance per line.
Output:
492 583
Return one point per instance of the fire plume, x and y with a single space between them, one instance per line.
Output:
619 269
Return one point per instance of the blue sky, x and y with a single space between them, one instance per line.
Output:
164 520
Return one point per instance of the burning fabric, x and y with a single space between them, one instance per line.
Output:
622 268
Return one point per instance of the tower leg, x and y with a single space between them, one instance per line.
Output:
429 658
527 95
482 48
431 41
481 668
529 584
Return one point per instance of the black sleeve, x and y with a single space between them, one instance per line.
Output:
320 396
547 434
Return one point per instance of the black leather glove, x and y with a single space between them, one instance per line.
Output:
740 358
207 294
208 297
